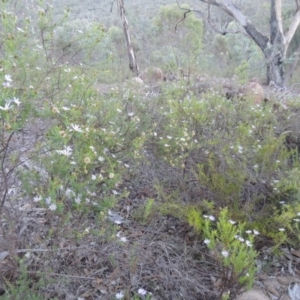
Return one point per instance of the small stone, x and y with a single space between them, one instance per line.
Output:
253 294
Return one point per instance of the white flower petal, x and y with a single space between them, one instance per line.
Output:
123 239
225 253
142 292
212 218
119 295
206 241
52 206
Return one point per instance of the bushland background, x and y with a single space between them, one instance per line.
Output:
115 188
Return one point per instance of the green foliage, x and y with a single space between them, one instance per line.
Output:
283 227
112 53
115 34
76 167
78 37
195 219
238 46
232 248
213 152
85 161
182 35
25 287
148 297
145 213
148 208
220 44
242 71
87 143
235 54
232 155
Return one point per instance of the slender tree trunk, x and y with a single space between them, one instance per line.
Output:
275 54
275 72
132 59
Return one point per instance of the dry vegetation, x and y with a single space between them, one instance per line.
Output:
84 256
173 185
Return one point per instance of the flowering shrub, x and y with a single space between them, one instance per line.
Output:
13 115
230 153
87 145
231 246
85 162
70 150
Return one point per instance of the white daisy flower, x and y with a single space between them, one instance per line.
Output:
37 199
142 292
225 253
120 295
212 218
52 206
17 101
6 107
67 151
75 127
48 200
77 200
248 243
8 78
206 241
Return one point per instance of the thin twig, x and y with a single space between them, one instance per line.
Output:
187 11
62 275
4 173
45 250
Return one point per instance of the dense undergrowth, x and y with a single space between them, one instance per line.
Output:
227 167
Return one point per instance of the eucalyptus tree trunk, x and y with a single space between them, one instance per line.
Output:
275 49
131 55
273 46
